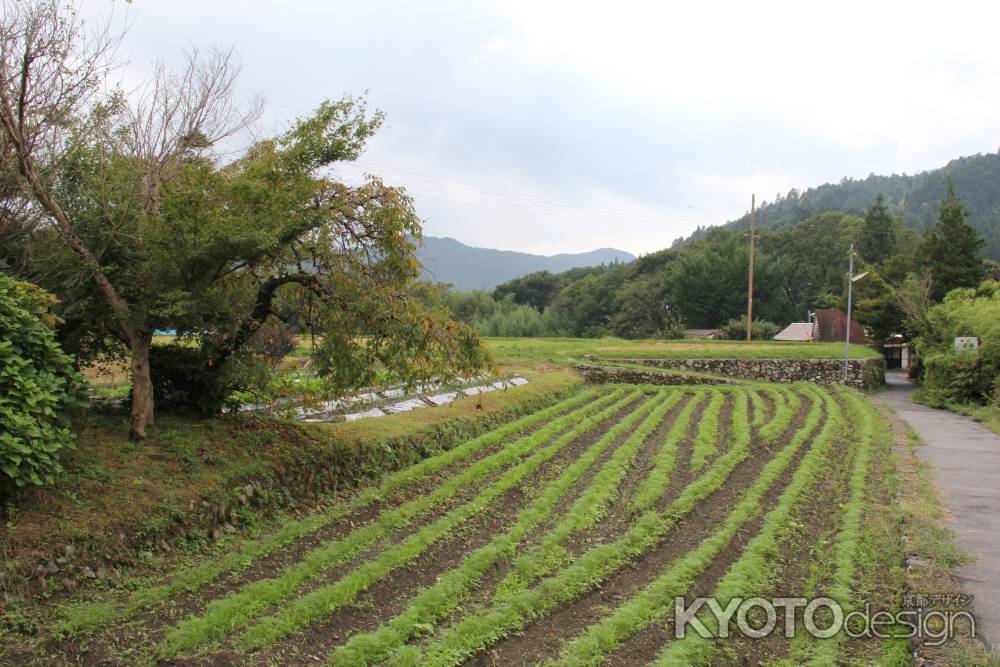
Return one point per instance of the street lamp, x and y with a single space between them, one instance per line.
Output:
850 294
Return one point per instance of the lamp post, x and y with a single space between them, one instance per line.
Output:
851 279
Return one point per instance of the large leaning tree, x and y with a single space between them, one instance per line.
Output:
128 210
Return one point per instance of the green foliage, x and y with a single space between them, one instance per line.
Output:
875 306
446 594
914 199
877 242
951 377
88 616
736 329
231 248
951 249
537 290
187 383
37 382
236 609
587 306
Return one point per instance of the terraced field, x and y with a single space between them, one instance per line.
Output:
562 538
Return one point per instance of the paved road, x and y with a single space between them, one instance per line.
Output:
967 461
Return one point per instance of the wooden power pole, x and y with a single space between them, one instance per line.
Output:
753 239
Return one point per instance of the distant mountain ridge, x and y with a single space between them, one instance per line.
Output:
914 198
446 260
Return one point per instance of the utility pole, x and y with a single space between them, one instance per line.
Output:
753 238
851 279
850 294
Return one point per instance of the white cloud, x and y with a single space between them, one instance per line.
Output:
645 119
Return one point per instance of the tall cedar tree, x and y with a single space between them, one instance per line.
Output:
950 250
878 235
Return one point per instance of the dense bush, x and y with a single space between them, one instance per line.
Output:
516 321
184 380
958 378
968 377
37 382
737 329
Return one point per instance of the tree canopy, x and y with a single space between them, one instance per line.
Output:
130 214
950 250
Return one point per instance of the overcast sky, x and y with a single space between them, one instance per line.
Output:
564 127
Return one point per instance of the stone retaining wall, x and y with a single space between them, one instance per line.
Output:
862 373
619 375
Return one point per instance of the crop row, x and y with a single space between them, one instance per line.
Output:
477 630
89 616
235 610
324 600
755 566
437 601
655 484
655 601
846 544
708 432
786 408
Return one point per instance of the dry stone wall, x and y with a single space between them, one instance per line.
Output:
862 373
619 375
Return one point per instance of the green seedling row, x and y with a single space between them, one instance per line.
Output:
755 566
89 616
655 485
786 409
655 602
846 544
585 512
435 602
708 432
322 601
225 614
479 630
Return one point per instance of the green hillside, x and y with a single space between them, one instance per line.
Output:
914 199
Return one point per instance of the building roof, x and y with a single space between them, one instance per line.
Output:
800 331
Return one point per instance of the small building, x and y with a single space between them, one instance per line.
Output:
896 350
829 325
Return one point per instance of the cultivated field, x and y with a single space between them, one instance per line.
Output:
560 538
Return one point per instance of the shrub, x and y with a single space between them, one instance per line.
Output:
737 329
37 383
512 320
185 381
957 378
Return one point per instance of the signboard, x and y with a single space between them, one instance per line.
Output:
966 343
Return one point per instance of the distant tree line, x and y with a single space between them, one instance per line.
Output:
702 284
913 199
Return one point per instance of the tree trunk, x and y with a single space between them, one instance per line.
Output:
142 386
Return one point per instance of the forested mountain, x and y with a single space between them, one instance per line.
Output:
914 199
446 260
